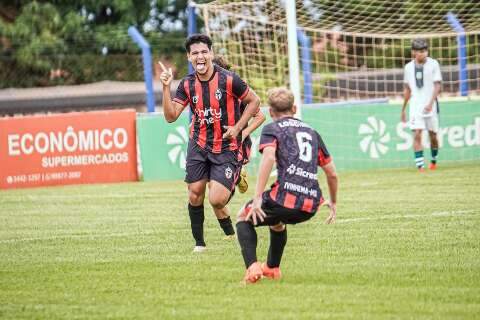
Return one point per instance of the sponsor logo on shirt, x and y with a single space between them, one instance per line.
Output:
292 169
301 189
208 116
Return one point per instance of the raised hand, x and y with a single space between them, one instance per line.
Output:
166 76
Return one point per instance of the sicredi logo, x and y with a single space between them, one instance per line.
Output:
178 141
454 136
375 136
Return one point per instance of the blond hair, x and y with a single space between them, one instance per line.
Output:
280 99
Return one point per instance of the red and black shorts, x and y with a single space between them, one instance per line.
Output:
222 167
277 213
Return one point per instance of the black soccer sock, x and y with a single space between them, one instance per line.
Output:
247 237
197 217
434 152
227 226
278 240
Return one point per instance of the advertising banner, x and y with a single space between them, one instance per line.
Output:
358 137
372 136
71 148
163 146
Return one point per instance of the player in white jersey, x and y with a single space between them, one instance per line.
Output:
422 85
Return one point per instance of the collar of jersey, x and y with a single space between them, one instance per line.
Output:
213 75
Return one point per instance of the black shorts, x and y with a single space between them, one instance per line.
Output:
222 167
277 213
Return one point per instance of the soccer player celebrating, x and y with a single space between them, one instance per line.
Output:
295 197
214 96
422 85
246 147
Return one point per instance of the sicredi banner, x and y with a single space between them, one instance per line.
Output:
359 137
86 147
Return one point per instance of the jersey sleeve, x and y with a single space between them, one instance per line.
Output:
239 87
181 95
323 155
437 74
268 138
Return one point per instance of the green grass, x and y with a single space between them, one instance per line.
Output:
406 245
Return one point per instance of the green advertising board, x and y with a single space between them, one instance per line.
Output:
162 146
372 136
357 136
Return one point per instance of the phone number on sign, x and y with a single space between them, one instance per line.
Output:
33 177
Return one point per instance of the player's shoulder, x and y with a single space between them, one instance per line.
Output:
188 78
409 64
433 61
270 127
223 71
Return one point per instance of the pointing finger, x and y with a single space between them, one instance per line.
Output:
162 66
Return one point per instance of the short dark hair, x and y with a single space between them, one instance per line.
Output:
198 38
419 44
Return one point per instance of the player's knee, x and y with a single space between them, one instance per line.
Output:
217 201
195 198
278 227
242 214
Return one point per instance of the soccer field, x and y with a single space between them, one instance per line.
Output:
405 245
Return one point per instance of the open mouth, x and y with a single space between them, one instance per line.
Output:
201 66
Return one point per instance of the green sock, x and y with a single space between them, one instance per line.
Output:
434 155
419 159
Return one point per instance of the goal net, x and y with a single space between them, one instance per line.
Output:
356 50
348 50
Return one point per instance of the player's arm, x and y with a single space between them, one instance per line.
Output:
171 109
256 122
332 182
326 163
266 165
407 93
437 88
250 99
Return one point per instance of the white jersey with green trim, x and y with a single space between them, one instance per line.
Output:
421 96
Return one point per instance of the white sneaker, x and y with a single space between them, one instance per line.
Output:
199 249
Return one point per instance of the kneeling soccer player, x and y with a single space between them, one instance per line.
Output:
295 197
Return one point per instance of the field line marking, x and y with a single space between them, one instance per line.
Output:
407 216
78 236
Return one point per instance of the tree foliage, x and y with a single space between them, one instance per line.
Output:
55 42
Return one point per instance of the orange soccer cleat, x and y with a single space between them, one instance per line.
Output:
272 273
253 273
432 166
421 169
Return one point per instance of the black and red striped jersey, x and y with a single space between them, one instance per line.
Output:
214 104
299 152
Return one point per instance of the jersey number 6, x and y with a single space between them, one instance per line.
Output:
304 146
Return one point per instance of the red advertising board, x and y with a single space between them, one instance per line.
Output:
71 148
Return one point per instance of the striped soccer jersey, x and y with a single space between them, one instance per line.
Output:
214 104
299 152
